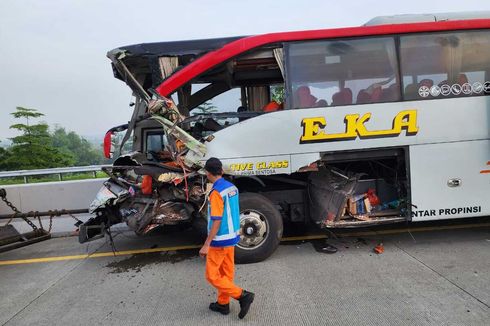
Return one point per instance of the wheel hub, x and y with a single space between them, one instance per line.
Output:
253 229
249 230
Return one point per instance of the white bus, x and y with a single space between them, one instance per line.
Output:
349 127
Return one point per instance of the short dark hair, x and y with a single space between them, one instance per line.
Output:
214 166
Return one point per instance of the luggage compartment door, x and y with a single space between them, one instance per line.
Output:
448 180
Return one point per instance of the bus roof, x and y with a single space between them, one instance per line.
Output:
426 18
242 45
140 57
175 48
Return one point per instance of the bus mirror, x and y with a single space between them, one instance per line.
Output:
109 144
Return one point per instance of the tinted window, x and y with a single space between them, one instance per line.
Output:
445 64
342 72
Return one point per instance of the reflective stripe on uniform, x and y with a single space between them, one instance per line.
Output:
226 236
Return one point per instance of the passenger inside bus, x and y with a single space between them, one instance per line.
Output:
272 106
342 97
372 94
303 97
321 103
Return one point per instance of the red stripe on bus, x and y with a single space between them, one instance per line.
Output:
237 47
484 171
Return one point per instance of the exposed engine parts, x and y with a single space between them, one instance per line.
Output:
146 195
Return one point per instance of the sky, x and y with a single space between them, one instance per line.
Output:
53 52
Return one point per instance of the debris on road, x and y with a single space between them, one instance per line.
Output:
322 246
379 249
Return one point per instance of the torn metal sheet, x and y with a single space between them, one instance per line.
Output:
328 194
170 212
126 75
189 142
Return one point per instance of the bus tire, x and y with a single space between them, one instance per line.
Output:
256 243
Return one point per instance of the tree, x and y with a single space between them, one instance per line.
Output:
4 154
33 149
82 150
278 93
205 108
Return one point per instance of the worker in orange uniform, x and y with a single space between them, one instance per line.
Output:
273 106
223 235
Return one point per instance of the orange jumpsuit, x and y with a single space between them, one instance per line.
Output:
220 261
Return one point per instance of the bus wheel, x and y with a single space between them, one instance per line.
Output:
260 229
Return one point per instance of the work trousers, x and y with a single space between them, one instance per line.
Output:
220 270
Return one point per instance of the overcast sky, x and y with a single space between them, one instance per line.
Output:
52 53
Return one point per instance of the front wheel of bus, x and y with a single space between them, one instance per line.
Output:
260 229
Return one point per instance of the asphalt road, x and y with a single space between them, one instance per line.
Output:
434 276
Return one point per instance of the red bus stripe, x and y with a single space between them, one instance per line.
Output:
237 47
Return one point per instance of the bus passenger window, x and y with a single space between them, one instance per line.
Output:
443 65
342 72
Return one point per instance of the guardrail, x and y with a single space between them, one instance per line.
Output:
54 171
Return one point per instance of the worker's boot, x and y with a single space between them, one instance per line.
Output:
221 308
245 300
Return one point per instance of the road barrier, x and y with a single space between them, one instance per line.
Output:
54 171
69 195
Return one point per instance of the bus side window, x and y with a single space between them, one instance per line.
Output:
442 65
342 72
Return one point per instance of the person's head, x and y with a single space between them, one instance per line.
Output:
214 169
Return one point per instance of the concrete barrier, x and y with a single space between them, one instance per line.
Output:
51 195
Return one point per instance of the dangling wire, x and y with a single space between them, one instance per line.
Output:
185 178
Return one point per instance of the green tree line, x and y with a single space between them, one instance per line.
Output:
38 147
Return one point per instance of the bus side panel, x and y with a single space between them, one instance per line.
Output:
435 170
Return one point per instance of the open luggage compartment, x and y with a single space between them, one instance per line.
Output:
357 189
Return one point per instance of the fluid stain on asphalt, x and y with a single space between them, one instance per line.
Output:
136 262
